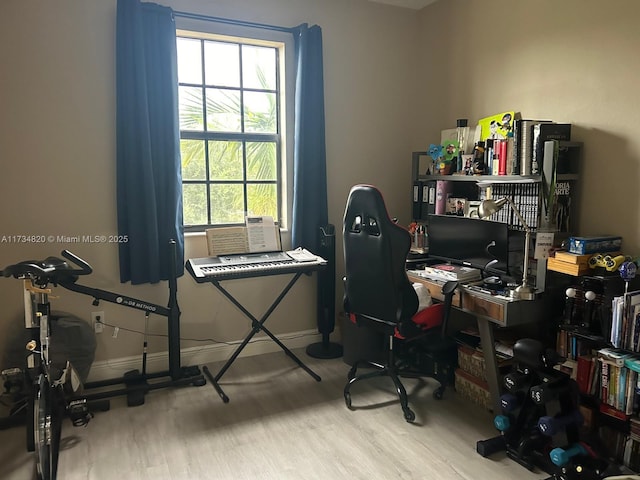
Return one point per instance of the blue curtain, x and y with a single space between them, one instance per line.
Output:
309 158
310 228
149 184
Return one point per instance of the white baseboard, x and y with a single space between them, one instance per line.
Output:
192 356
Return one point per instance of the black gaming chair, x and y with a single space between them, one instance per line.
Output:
378 295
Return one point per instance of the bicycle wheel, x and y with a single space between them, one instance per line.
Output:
47 424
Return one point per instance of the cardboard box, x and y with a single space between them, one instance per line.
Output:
473 389
602 244
471 361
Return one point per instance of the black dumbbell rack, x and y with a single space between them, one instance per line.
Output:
540 414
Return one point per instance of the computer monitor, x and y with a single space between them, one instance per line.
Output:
469 241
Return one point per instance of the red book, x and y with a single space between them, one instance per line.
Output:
582 377
609 410
502 156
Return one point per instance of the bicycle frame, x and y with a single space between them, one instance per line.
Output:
46 402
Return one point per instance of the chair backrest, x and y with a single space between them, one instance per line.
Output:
375 252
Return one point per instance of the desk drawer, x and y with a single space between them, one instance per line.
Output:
481 306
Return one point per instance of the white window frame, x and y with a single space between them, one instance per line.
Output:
205 29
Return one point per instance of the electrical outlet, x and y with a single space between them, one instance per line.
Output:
98 321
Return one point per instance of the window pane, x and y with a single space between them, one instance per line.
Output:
189 60
258 67
223 110
227 204
222 64
262 199
260 112
261 161
194 204
193 164
191 116
225 160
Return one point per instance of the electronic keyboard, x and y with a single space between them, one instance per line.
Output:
208 269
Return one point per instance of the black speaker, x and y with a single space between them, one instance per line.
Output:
326 312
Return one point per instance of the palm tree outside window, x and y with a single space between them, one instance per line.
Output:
230 129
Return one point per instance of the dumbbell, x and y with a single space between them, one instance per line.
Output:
515 381
543 393
560 456
502 422
509 402
550 426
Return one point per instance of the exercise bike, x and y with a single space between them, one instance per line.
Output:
53 392
49 388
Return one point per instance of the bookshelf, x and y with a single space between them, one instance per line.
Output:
530 194
525 190
606 367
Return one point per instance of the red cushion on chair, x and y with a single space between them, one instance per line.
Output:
430 317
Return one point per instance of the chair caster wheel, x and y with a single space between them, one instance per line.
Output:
409 416
438 393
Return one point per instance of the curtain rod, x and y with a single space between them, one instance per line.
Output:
196 16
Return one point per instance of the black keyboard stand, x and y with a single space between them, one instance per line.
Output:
258 325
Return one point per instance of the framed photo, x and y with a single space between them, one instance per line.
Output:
457 206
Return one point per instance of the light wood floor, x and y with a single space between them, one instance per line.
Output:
280 424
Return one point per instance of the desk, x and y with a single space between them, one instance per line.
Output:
209 270
489 310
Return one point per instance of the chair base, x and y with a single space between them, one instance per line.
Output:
380 371
434 359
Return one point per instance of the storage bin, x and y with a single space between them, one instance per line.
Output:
473 389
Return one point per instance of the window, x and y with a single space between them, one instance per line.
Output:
232 123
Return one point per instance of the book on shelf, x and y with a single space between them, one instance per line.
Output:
496 126
570 367
561 207
443 190
583 372
540 134
416 212
523 144
428 198
573 258
446 271
511 157
613 412
556 265
632 362
616 356
631 320
424 199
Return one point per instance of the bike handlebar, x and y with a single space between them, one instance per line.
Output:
85 268
51 269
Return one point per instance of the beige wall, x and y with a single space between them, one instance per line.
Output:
570 61
393 79
57 141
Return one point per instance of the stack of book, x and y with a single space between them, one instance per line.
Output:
569 263
618 381
447 272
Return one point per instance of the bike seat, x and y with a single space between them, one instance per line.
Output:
49 269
